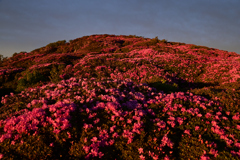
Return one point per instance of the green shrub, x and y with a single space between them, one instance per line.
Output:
30 79
93 46
2 59
126 43
56 44
56 72
161 85
154 41
199 47
164 41
151 42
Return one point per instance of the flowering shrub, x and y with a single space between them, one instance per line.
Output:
157 100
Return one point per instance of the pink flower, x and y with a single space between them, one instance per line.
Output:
166 157
164 140
172 123
77 97
113 118
115 135
204 157
86 149
85 140
161 124
111 106
100 154
94 139
34 102
1 155
154 139
28 105
180 120
197 128
208 115
187 131
238 127
94 152
214 152
96 121
235 117
171 118
183 109
140 150
214 123
155 157
150 153
56 131
112 128
142 157
85 126
225 118
129 121
69 135
111 141
12 142
129 140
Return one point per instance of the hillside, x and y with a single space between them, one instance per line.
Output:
123 97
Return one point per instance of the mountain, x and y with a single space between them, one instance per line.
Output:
123 97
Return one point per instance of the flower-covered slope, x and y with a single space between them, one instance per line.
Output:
120 97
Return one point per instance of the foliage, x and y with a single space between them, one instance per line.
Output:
30 79
56 73
120 97
2 59
199 47
56 44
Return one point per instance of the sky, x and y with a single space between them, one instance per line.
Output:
30 24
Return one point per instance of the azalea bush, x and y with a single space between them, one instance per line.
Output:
120 97
135 121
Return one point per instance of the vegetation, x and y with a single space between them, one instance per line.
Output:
120 97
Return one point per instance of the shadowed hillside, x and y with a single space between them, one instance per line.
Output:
123 97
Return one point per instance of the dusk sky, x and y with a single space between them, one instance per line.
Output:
29 24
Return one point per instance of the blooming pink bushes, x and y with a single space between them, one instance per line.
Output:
94 115
159 100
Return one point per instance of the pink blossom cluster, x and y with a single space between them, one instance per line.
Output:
9 71
126 109
28 122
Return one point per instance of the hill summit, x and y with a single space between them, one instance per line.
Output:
120 97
